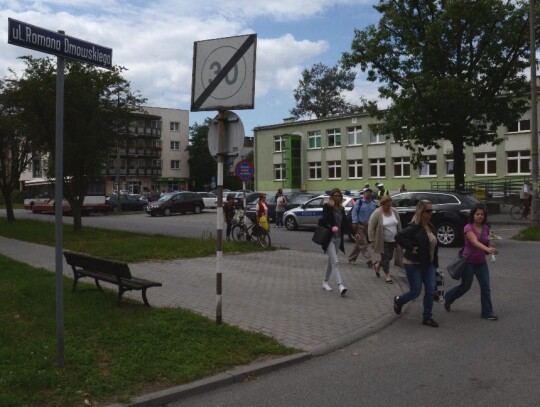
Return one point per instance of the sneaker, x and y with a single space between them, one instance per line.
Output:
326 286
342 290
397 306
491 318
447 306
430 322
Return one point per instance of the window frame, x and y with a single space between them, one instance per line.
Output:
333 169
486 160
316 167
316 136
356 167
333 137
355 134
174 126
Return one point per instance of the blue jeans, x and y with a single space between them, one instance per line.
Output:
481 272
417 277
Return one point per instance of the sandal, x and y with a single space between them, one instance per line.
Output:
389 281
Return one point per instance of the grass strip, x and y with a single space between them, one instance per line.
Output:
113 350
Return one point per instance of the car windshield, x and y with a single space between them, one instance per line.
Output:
165 197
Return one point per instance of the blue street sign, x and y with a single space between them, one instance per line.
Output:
50 42
244 171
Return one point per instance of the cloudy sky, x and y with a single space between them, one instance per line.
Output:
154 41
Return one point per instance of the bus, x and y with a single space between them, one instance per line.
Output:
39 196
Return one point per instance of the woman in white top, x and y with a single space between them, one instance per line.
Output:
383 225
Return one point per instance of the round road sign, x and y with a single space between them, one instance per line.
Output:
244 170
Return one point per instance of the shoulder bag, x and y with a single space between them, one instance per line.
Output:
321 235
457 266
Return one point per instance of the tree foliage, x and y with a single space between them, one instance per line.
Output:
97 107
320 92
202 166
451 69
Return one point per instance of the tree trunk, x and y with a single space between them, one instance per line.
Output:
459 164
76 213
10 214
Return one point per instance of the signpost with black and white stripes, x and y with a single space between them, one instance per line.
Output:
223 79
63 46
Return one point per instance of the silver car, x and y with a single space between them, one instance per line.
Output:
308 214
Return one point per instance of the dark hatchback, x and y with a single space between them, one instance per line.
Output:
176 202
450 212
127 203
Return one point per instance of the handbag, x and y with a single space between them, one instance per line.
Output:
321 235
457 266
264 222
398 257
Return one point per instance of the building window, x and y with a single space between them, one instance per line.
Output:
175 145
315 171
375 137
518 162
175 126
334 169
314 139
279 144
175 164
377 167
36 168
279 172
334 137
429 168
485 164
521 125
402 167
155 124
354 135
448 165
355 168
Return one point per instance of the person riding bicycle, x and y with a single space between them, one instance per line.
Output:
526 197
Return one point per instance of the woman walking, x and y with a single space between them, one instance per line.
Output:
477 245
334 218
420 260
383 225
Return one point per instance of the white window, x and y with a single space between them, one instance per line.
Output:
334 137
314 139
175 145
175 126
355 168
402 167
520 125
448 165
155 124
315 171
485 164
334 169
429 168
354 135
377 167
175 164
375 137
279 172
518 162
279 144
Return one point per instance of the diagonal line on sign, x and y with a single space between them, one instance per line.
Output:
226 69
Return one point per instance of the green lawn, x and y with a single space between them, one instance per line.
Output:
113 350
532 234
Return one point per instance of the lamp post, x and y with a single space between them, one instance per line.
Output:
534 114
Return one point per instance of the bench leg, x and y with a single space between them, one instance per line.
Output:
97 283
144 297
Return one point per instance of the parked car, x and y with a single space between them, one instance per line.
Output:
293 201
238 198
209 199
176 202
127 202
450 212
308 214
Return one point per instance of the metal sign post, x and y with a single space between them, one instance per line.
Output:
223 78
39 39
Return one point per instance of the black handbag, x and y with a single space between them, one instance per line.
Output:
457 266
321 235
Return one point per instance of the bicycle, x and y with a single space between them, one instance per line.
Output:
254 232
516 211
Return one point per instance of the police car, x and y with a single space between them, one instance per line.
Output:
308 214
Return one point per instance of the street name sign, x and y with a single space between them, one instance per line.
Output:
39 39
224 73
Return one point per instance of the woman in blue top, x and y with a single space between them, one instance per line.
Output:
477 245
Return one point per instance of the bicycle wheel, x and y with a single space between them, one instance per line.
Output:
238 233
516 212
262 237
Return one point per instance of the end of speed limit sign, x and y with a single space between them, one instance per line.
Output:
224 73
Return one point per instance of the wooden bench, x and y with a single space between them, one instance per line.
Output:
113 272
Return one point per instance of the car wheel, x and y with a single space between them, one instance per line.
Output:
167 212
447 234
290 223
197 209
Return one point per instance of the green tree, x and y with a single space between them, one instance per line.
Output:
451 69
320 92
15 149
202 166
97 108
